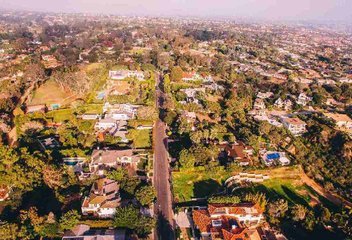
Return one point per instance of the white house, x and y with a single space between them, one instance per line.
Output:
265 95
341 120
106 159
259 104
123 74
106 123
120 111
295 125
285 104
90 116
103 199
303 99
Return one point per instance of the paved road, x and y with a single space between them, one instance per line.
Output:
163 206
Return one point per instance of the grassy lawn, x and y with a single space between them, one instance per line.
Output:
283 183
141 138
60 115
197 183
137 122
284 188
92 108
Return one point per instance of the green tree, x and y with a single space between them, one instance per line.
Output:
309 221
277 210
225 199
119 175
176 74
8 231
299 212
167 84
186 159
129 217
69 220
258 198
146 195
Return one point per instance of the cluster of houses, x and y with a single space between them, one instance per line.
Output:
104 196
280 118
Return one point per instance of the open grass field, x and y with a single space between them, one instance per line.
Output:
91 108
51 93
284 182
197 183
60 115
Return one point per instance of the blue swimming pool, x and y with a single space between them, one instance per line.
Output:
272 156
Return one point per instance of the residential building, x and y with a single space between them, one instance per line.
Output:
36 108
123 74
120 111
103 199
4 192
285 104
106 159
191 76
259 104
265 95
84 232
120 131
341 120
48 143
240 153
295 125
229 221
303 99
106 123
90 116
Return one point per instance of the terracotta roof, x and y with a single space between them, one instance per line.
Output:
239 208
202 219
4 192
97 199
237 151
188 74
294 121
223 225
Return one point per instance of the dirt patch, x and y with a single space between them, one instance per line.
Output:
51 93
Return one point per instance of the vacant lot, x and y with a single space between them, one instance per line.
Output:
51 93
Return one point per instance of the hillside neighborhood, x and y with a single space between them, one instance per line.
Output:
119 127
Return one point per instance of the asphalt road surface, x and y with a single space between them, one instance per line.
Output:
163 206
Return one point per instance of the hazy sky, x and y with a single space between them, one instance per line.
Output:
340 10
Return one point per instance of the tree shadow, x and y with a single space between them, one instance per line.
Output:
293 197
164 228
206 188
44 199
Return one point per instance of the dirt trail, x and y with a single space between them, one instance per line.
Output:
332 197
